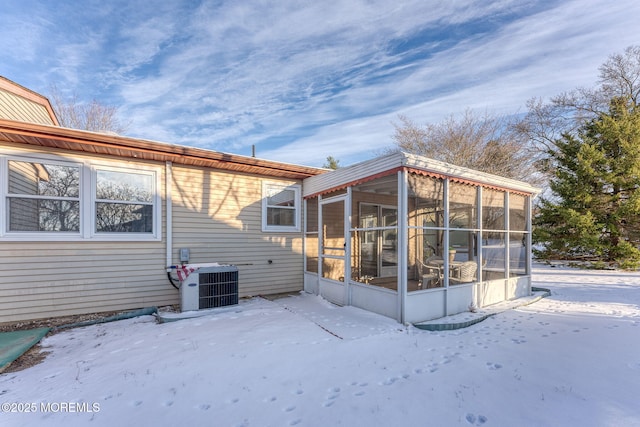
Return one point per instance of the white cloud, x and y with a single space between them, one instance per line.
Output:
303 80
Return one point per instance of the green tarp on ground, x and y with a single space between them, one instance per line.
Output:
14 344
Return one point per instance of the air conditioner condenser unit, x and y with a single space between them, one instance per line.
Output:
210 287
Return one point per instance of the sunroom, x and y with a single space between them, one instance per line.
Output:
416 239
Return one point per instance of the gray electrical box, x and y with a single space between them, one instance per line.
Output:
184 255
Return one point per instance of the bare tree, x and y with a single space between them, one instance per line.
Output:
620 76
565 113
483 142
93 116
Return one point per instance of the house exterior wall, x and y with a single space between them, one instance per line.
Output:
216 214
50 279
15 107
64 275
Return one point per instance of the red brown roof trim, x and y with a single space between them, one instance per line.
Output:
464 181
131 148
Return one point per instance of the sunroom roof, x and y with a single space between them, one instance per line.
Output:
386 165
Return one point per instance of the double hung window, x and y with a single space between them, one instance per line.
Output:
281 207
45 198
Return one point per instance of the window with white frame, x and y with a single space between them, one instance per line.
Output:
43 197
48 198
280 207
123 201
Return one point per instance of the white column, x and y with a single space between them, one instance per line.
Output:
402 244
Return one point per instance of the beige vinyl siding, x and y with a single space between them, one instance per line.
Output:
49 279
15 107
218 216
44 279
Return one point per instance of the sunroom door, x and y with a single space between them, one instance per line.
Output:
333 251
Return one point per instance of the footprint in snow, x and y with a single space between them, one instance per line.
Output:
478 421
390 381
334 393
493 366
635 366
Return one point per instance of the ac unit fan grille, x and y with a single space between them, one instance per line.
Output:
218 289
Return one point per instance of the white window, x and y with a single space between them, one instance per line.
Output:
45 198
123 201
280 207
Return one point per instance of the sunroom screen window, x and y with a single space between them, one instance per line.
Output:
493 209
463 205
517 212
311 234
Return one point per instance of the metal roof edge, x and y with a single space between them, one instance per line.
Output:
173 152
358 171
447 169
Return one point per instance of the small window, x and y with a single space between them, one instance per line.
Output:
280 207
124 202
43 197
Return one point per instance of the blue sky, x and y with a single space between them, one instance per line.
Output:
302 80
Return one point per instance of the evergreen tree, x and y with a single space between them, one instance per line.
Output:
594 211
331 163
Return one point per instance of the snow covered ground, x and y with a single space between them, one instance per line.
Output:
572 359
